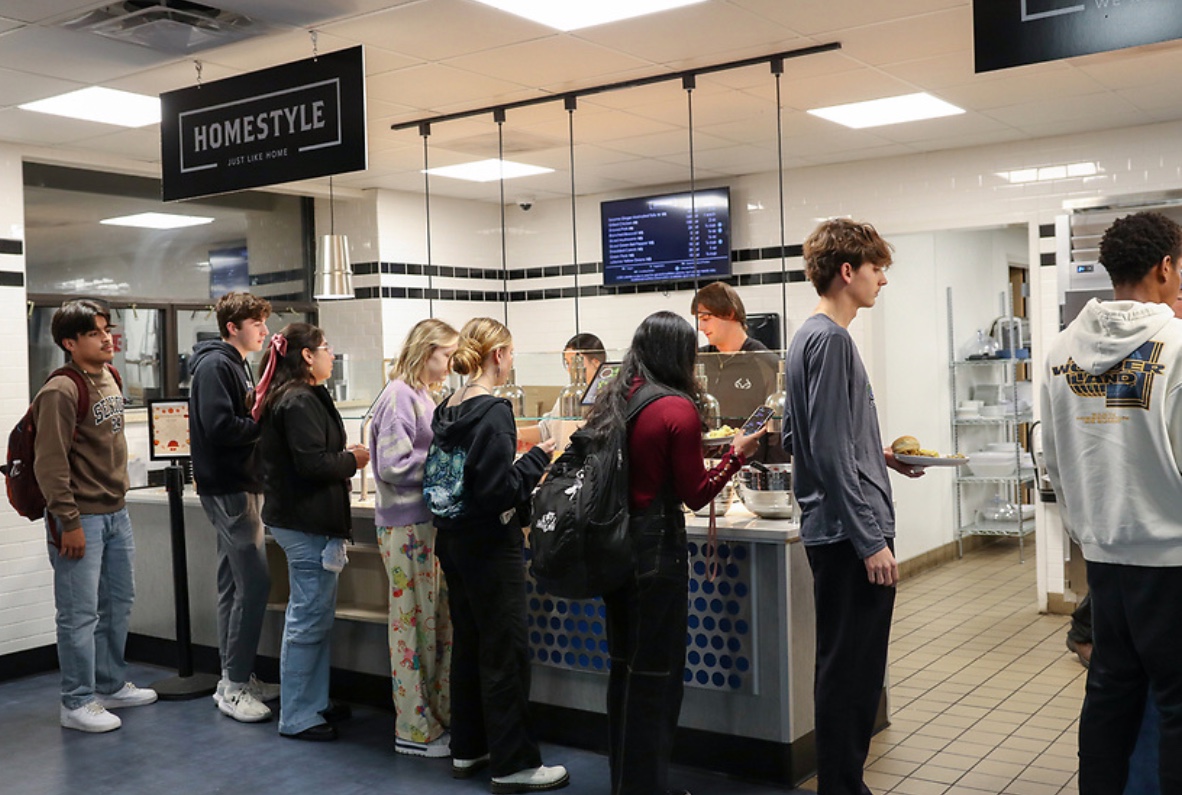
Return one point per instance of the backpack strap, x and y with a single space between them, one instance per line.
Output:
82 387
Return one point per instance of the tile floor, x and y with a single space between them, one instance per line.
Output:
985 698
984 695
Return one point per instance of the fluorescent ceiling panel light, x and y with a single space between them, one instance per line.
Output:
105 105
891 110
572 15
157 221
1049 173
488 170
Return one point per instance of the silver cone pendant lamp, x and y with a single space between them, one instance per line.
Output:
334 274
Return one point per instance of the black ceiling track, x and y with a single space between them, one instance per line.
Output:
424 125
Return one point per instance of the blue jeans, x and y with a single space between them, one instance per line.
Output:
304 656
93 596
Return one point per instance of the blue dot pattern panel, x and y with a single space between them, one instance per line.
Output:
720 643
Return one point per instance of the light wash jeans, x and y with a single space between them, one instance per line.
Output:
93 596
311 607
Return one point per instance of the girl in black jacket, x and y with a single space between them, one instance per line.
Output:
473 488
306 470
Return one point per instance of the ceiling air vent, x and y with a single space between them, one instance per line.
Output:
172 26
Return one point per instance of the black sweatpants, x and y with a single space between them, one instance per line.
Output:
1137 630
485 571
853 632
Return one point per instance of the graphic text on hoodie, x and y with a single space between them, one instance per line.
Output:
1127 385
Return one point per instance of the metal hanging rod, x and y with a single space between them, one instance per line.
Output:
425 124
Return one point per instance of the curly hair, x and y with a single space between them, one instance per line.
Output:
237 308
1136 244
838 241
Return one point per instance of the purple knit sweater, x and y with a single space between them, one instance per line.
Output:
398 443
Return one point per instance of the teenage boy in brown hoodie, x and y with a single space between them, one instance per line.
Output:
81 468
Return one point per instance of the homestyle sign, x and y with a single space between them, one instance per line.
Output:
296 121
1016 32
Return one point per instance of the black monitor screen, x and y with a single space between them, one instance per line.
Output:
667 238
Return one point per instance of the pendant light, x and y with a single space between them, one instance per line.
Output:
334 274
689 83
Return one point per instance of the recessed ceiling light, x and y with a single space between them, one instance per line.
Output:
157 221
1048 173
488 170
572 16
891 110
105 105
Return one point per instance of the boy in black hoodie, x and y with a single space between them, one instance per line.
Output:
223 438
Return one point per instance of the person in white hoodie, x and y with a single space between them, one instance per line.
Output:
1112 428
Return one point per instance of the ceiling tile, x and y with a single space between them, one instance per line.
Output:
440 29
908 38
813 17
692 34
1016 89
20 87
26 126
557 63
434 87
41 10
75 56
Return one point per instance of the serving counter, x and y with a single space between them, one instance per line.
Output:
748 700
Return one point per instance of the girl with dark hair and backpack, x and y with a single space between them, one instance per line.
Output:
306 469
646 617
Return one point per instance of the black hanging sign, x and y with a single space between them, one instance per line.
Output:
1016 32
295 121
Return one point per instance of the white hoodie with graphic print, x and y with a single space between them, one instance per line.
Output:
1112 431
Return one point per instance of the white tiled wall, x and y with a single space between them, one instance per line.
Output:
26 595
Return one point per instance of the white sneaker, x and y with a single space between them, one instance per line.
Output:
464 768
90 717
127 696
263 691
220 691
241 705
436 749
534 779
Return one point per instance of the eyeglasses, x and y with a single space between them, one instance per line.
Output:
325 347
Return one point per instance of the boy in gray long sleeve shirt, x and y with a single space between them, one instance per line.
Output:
840 478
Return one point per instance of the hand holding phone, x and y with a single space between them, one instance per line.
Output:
757 420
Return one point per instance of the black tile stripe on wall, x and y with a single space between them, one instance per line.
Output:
8 246
12 279
583 291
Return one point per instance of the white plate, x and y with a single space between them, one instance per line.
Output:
717 441
930 461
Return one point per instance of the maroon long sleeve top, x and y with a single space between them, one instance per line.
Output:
666 438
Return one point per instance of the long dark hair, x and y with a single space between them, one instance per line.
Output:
663 351
291 371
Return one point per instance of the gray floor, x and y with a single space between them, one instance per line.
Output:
189 748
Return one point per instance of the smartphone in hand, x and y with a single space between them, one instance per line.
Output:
757 420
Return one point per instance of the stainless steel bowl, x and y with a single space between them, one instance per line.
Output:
773 477
768 503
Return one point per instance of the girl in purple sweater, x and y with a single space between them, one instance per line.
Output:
420 625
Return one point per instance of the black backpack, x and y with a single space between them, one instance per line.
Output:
23 492
579 538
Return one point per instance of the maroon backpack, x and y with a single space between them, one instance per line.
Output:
23 491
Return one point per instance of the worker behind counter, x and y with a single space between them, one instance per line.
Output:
740 383
551 425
